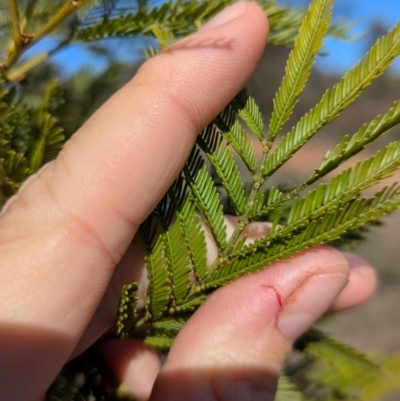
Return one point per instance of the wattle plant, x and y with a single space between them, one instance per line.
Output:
173 237
181 271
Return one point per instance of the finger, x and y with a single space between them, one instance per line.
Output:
234 346
134 364
132 268
361 286
72 222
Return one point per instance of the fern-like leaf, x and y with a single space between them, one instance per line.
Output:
228 172
329 226
377 60
287 391
241 143
207 199
159 289
181 271
299 63
364 136
195 240
127 315
177 259
248 110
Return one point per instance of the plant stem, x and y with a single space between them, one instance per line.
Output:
16 25
18 74
64 12
259 180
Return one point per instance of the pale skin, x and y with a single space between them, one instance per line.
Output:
67 242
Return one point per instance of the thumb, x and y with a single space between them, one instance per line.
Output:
234 346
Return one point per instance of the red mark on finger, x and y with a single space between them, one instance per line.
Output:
275 290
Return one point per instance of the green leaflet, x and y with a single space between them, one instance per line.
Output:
241 143
206 195
364 136
346 185
170 327
345 358
158 290
15 167
300 61
318 345
248 110
161 342
49 137
374 388
287 391
343 373
127 315
177 259
194 237
228 172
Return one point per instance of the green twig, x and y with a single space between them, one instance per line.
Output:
70 7
65 11
18 73
16 25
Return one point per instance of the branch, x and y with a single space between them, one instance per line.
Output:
65 11
69 8
16 25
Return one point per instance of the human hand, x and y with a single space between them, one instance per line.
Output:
66 240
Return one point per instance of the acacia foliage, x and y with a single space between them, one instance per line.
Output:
174 237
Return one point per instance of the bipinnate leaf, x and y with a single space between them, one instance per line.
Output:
377 60
189 252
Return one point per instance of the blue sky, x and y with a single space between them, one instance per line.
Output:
342 55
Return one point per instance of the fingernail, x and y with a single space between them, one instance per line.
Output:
227 15
355 261
308 303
